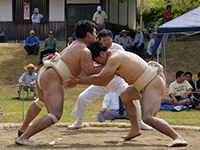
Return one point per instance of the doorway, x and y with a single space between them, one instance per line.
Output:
76 13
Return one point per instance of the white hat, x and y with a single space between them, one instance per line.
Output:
36 10
50 32
98 8
32 32
30 66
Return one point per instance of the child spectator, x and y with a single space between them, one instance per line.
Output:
151 43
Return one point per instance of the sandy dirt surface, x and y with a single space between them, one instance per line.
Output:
98 138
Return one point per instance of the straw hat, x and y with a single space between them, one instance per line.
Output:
123 31
30 66
138 29
152 34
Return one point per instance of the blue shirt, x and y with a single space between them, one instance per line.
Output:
74 36
1 33
139 38
151 43
35 40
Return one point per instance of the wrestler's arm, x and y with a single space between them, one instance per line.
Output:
105 75
87 64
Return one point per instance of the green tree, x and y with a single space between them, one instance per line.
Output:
153 10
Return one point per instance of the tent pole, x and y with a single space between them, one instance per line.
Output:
141 11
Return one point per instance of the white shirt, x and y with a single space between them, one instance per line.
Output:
116 46
36 18
99 18
28 79
113 99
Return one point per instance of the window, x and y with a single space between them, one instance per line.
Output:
18 9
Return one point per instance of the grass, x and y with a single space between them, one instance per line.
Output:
181 55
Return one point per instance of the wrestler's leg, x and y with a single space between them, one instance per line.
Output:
53 99
151 101
127 96
141 124
32 112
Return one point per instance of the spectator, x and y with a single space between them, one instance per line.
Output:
117 110
74 36
188 77
99 19
1 36
198 83
70 40
167 16
52 46
179 91
116 38
36 16
138 43
27 81
125 41
32 44
151 43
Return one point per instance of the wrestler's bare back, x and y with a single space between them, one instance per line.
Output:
130 66
125 64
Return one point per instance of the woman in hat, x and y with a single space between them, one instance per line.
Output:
125 41
27 81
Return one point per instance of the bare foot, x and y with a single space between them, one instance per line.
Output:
177 142
131 135
25 142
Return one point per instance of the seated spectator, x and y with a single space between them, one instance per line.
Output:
70 40
151 43
125 41
179 91
116 38
32 44
138 43
188 77
117 110
198 83
1 36
74 36
52 46
27 81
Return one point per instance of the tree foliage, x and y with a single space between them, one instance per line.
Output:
153 10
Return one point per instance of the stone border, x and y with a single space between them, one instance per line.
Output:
94 124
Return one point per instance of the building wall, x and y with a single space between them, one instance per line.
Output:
113 11
132 8
56 10
5 10
82 1
122 13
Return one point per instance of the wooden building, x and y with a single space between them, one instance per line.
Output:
60 16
